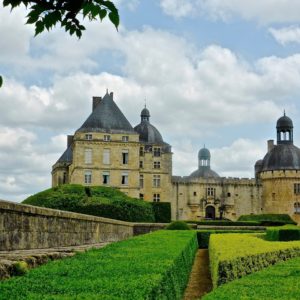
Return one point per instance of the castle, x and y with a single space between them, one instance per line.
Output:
106 150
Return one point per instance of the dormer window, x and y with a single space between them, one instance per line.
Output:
106 138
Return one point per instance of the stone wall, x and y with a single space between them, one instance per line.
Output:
30 227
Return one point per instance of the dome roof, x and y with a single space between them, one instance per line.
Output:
145 113
259 163
204 172
203 154
148 133
284 123
282 157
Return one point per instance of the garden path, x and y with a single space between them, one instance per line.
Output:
200 280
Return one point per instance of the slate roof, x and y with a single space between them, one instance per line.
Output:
148 133
203 154
67 156
106 117
205 172
282 157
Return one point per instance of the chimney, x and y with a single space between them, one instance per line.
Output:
270 145
96 101
70 140
111 95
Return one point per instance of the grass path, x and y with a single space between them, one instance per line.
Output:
200 281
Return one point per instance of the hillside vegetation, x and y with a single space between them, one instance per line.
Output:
100 201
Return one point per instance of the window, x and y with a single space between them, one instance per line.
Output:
156 180
195 193
142 196
296 188
210 191
106 138
88 177
141 164
141 151
228 194
156 197
125 157
88 136
88 156
64 177
124 179
141 181
156 165
156 151
125 138
106 156
297 207
105 177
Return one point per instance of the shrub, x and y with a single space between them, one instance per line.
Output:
98 201
178 225
235 255
162 212
151 266
269 219
285 233
276 282
204 235
20 268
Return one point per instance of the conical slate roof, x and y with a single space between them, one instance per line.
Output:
106 117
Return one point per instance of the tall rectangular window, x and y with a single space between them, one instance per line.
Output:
106 138
88 156
124 178
296 188
105 177
156 165
210 191
156 197
125 156
141 151
141 164
141 181
156 180
106 156
88 177
142 196
156 151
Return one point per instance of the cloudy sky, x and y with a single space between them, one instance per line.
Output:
213 72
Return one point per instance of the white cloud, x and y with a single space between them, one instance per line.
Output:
286 35
264 12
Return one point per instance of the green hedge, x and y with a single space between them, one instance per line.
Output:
151 266
204 235
226 223
269 219
235 255
285 233
162 211
279 282
98 201
178 225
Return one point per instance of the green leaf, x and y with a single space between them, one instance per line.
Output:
102 14
39 27
114 19
1 81
78 33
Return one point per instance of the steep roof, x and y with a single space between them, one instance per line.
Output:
204 172
106 117
67 156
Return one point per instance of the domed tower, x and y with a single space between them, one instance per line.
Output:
155 161
279 172
204 169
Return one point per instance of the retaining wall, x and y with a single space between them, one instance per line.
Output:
31 227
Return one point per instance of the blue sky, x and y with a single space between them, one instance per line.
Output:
213 72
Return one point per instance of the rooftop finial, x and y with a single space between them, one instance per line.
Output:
145 102
107 91
284 112
204 146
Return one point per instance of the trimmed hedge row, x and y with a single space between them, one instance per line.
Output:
226 223
204 235
285 233
276 282
152 266
269 219
101 201
235 255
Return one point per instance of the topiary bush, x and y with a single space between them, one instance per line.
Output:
284 233
178 225
20 268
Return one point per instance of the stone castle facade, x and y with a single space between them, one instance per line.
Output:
106 150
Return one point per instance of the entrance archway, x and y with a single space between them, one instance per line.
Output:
210 212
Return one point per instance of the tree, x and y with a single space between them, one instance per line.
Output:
45 14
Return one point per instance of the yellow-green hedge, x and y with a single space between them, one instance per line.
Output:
235 255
